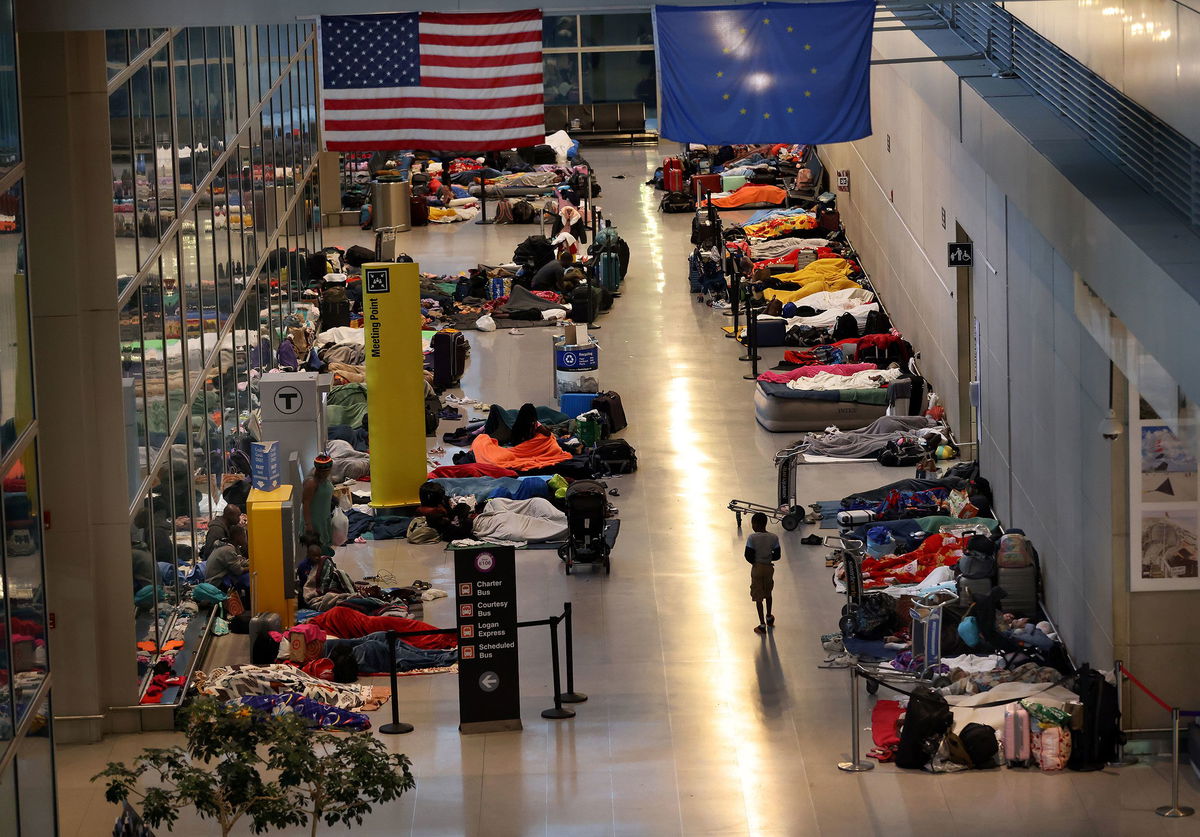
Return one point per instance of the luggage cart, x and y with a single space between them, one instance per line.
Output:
926 615
788 512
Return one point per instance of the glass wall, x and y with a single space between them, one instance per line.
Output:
27 805
593 59
213 164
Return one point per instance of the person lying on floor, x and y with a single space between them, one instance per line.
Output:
371 653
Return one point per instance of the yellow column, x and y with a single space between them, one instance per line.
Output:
271 542
395 382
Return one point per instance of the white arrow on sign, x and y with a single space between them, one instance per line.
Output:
489 681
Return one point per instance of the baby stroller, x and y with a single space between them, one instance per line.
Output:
587 541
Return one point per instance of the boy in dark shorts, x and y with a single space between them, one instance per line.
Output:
762 551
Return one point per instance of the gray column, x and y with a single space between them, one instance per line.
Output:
78 377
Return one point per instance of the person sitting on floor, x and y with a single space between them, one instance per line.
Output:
322 584
549 276
227 564
220 528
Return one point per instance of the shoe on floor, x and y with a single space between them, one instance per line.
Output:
760 629
812 540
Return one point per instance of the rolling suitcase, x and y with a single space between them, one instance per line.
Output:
418 213
1015 739
703 184
585 302
672 175
608 270
449 358
1020 585
608 404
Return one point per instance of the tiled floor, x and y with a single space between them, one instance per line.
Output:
695 725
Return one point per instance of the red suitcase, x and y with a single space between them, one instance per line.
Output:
673 174
703 184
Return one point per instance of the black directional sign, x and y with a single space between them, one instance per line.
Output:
960 254
489 688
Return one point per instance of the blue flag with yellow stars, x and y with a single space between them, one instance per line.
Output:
765 73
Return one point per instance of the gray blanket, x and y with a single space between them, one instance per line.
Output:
866 443
521 299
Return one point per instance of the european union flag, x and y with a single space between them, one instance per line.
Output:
764 73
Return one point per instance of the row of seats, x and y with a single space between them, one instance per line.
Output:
606 118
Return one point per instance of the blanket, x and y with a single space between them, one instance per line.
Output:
315 713
781 226
858 380
750 194
520 520
348 463
342 334
829 317
809 371
538 452
773 248
348 623
233 682
523 299
484 488
876 396
471 469
866 443
346 405
843 300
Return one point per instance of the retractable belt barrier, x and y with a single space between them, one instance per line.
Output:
557 712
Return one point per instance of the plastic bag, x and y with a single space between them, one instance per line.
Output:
485 323
340 526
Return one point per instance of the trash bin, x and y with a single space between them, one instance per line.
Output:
391 204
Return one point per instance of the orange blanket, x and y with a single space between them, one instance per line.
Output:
751 193
538 452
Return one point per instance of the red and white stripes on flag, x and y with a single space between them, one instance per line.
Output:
480 87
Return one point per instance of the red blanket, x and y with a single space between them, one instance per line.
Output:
472 469
348 623
935 551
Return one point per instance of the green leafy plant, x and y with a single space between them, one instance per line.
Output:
271 770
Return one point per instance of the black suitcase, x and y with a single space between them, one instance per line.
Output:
1021 589
450 350
609 405
357 256
585 302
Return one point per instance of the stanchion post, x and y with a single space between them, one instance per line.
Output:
854 765
396 727
735 297
1121 760
557 712
1174 810
570 695
749 294
751 341
483 219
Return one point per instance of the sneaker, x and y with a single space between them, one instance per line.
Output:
721 305
771 621
760 629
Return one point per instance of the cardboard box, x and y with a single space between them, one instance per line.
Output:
264 465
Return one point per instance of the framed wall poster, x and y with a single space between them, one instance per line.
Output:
1164 519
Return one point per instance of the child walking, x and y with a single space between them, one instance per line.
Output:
762 551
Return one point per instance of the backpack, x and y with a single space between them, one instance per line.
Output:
523 212
925 725
358 255
877 323
615 456
903 452
1095 745
875 617
345 666
677 202
431 494
504 213
974 564
1014 551
975 746
846 328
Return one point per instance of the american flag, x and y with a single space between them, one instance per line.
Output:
470 81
